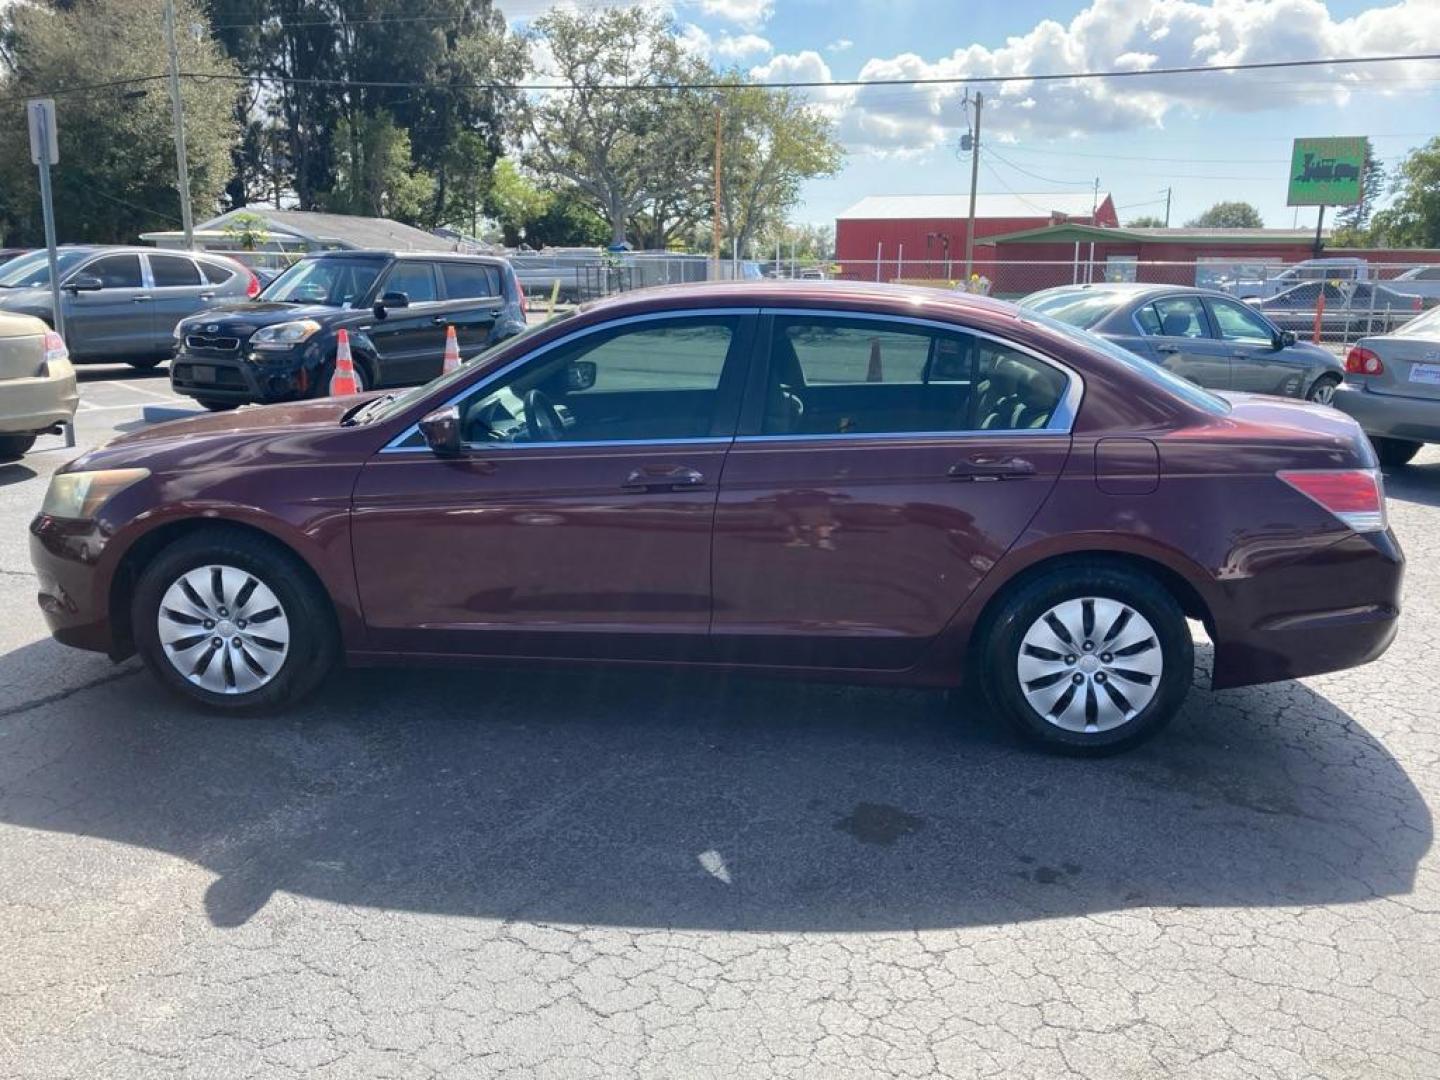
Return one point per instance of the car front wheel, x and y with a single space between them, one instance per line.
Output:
1092 658
234 621
1322 391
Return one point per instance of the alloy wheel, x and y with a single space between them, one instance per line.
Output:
223 629
1323 392
1090 664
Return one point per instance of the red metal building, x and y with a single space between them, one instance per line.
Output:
922 237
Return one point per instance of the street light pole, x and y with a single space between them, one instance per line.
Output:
974 179
177 108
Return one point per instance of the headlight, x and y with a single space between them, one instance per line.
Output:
80 495
284 335
177 333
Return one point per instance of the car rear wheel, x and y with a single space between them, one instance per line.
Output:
1322 391
145 363
233 621
14 447
1090 659
1394 452
218 406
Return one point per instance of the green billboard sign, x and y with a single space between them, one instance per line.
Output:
1326 172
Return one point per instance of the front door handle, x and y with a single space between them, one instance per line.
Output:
207 296
439 320
138 299
1167 348
664 478
991 467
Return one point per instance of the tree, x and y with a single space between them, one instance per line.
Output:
1145 221
1353 220
1228 215
374 176
117 174
541 218
774 142
1413 218
617 147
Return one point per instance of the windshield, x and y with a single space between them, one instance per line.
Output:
332 282
32 270
386 407
1082 308
1183 388
1426 325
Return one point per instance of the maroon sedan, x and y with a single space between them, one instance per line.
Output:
858 482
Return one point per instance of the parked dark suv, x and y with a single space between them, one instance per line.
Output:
395 306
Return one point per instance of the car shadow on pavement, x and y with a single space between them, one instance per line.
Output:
1414 483
682 801
15 473
104 372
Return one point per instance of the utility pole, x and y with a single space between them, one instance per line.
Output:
719 143
182 165
1167 206
974 180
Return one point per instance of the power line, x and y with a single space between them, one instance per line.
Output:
838 84
84 88
1036 176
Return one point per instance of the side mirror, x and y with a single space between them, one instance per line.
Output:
441 431
391 300
580 375
1285 339
83 283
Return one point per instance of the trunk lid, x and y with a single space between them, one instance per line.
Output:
1412 366
1325 435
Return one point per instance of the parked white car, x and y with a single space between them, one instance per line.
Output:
1339 268
1422 281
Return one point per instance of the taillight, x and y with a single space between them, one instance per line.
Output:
1355 496
252 287
54 349
1361 361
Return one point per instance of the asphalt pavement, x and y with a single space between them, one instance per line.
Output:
462 874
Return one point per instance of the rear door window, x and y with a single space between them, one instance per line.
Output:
415 279
173 271
469 281
1182 316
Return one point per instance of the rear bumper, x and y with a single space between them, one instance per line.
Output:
1390 416
31 405
1273 629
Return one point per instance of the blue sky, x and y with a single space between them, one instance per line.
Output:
1207 137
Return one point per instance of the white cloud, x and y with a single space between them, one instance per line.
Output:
748 13
740 45
1130 35
839 45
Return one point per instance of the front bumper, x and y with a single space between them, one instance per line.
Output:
1390 416
1277 625
73 596
28 406
236 378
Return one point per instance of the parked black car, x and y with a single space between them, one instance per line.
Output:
396 307
1352 308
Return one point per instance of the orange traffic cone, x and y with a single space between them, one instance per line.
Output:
875 373
452 351
343 380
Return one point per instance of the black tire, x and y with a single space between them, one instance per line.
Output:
15 447
1027 603
1323 389
1394 453
146 363
313 639
217 406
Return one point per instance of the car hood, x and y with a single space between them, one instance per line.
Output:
294 433
24 299
258 313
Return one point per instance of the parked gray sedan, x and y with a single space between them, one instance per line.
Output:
1208 337
121 304
1392 388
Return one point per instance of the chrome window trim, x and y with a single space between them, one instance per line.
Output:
1061 422
394 447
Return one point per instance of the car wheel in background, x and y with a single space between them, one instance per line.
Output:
1394 452
146 363
1088 659
217 406
14 447
1322 391
234 621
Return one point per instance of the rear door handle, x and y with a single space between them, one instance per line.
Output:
207 296
439 320
665 478
1167 348
138 299
988 467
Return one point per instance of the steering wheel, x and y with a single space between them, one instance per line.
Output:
541 418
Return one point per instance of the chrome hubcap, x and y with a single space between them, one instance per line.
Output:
1090 664
223 629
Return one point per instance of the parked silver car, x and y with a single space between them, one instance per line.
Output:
1392 388
121 304
1207 337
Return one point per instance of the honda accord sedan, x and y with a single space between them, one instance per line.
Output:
861 482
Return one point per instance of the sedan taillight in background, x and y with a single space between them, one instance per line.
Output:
252 287
1361 361
1355 496
54 350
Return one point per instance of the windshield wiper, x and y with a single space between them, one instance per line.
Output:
357 414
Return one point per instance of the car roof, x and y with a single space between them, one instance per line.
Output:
769 292
1130 290
381 253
